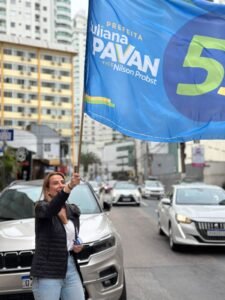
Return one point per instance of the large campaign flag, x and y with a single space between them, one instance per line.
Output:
155 68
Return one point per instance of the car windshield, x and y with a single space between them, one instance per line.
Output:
18 202
125 186
153 183
200 196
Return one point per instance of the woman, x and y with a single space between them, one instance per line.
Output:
55 271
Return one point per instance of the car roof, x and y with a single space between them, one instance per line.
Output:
195 185
37 182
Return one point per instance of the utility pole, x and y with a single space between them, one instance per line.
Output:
182 157
147 161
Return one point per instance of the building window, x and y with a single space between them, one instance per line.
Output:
47 147
20 53
37 6
33 110
20 109
20 68
8 51
7 108
27 27
20 81
20 95
8 66
21 123
65 86
65 100
8 94
8 80
48 57
33 96
8 122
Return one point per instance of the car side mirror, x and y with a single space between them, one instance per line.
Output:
106 206
166 201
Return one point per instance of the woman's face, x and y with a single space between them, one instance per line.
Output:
56 184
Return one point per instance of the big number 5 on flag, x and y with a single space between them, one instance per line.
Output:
155 69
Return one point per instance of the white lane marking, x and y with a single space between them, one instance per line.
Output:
144 203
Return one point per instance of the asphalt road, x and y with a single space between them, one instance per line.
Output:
154 272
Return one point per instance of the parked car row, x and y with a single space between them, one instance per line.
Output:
193 214
101 260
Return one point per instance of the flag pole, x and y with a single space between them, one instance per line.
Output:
77 166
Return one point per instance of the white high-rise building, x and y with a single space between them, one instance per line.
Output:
95 134
46 20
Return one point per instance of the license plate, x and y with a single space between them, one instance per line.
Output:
26 282
126 199
216 232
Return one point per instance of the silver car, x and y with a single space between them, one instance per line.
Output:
194 214
152 189
125 192
101 261
96 186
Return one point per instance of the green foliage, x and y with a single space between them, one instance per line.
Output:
8 167
89 158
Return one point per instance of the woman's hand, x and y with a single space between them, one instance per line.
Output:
78 248
75 180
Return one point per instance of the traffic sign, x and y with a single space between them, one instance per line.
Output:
6 134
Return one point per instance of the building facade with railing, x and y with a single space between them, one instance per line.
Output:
36 80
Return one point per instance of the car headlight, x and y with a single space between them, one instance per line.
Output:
96 247
104 244
183 219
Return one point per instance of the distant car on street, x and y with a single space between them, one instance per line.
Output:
125 192
193 214
152 188
101 260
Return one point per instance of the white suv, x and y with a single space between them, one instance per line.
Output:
101 261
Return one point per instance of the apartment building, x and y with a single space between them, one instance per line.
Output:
46 20
37 86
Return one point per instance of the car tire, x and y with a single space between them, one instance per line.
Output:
173 246
124 291
160 231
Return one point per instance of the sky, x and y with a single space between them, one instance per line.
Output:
77 5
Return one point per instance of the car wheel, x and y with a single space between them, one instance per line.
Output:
173 246
160 231
124 292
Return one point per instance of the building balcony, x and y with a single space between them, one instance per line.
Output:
63 29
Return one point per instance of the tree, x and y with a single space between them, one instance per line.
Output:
8 167
87 159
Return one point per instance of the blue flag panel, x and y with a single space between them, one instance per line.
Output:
155 69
